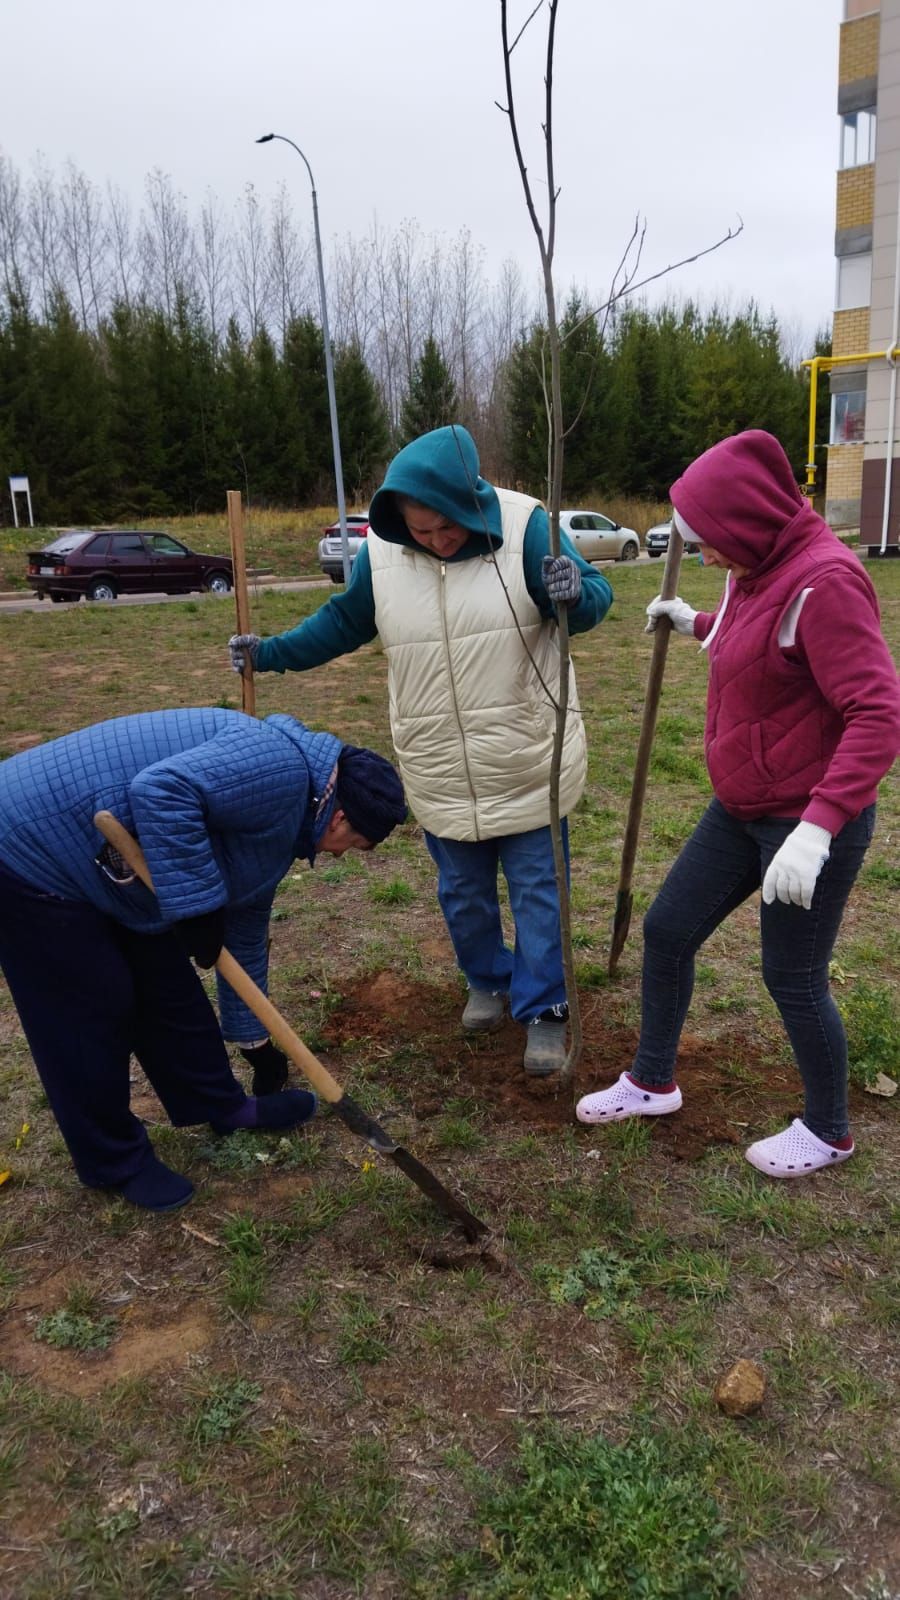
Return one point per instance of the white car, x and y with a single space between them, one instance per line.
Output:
331 558
599 538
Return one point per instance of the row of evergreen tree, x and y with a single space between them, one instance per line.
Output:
151 414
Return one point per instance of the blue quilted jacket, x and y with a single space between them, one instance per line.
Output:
221 803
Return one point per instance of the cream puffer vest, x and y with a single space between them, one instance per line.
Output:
471 723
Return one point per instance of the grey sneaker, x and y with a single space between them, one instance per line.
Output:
545 1051
484 1011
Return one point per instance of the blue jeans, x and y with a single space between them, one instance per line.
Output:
532 973
88 993
721 866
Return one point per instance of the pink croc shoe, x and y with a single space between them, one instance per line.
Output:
794 1153
626 1099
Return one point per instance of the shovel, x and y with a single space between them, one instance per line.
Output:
356 1119
661 632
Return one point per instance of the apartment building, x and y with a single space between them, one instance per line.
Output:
865 394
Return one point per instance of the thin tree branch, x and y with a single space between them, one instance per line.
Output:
631 288
528 20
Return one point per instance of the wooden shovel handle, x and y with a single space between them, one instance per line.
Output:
241 597
661 636
233 973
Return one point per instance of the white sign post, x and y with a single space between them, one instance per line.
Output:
20 486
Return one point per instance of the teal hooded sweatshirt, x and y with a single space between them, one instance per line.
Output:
441 471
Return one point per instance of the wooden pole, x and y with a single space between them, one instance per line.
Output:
241 598
624 897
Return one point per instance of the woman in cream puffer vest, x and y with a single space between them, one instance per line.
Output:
456 580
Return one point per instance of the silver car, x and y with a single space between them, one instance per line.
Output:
599 538
657 541
330 556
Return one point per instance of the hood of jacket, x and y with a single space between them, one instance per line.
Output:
320 752
441 470
741 498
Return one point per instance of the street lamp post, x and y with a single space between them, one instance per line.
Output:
329 364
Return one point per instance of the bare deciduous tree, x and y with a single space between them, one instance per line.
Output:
12 234
166 244
84 239
43 236
251 257
293 289
121 247
213 266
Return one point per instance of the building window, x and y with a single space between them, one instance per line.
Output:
858 138
848 417
854 282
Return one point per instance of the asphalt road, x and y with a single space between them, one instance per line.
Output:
12 601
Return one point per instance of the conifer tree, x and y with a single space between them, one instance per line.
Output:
362 420
432 399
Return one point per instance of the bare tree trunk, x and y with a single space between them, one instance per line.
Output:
553 398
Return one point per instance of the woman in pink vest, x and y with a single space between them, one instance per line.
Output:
803 720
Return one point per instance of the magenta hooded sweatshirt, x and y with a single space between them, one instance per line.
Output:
803 709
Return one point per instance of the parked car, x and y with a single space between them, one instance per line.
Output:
330 557
103 565
599 538
656 541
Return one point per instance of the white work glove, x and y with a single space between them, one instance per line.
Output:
562 579
237 644
794 868
678 611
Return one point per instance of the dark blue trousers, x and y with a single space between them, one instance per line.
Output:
721 866
90 993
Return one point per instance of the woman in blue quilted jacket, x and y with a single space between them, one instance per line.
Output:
98 966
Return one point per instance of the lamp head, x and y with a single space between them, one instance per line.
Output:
265 138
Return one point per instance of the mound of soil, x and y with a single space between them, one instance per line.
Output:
732 1090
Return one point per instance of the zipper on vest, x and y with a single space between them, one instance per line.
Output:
462 737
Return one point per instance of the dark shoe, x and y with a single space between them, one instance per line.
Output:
156 1187
484 1011
545 1050
289 1109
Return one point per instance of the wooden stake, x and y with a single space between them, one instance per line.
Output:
624 897
241 598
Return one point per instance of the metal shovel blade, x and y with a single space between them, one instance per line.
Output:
353 1115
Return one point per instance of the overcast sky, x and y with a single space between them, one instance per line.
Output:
692 113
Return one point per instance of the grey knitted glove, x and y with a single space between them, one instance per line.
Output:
562 579
237 644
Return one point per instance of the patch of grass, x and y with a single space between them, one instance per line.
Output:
601 1282
881 872
692 1274
248 1151
77 1325
762 1207
580 1518
457 1133
247 1269
223 1412
362 1333
872 1020
396 892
